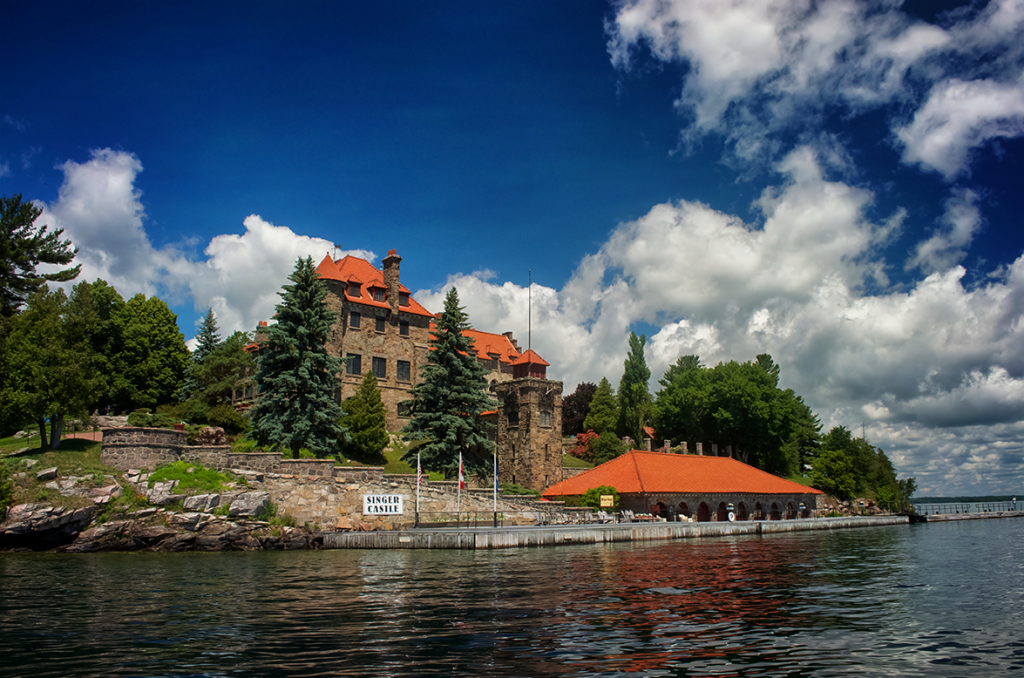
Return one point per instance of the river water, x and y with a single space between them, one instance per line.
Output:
942 599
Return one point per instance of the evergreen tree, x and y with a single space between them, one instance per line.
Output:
23 246
297 377
636 407
365 418
207 339
604 410
446 405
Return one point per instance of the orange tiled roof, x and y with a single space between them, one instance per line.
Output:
362 275
531 358
659 472
486 343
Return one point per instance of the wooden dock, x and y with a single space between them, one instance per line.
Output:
557 535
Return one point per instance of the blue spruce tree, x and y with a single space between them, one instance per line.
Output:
297 377
447 404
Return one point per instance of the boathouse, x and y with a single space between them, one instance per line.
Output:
707 489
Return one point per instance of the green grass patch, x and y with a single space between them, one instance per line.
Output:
192 478
802 480
392 462
74 458
569 461
509 488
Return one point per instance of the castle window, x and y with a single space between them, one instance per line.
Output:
353 320
403 298
403 328
404 372
378 294
380 324
354 364
513 416
380 367
354 291
404 410
545 419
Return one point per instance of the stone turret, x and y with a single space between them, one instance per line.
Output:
391 278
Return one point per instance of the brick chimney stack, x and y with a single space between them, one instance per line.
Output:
391 267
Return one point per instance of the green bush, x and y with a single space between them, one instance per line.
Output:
144 419
228 418
6 488
509 488
592 497
244 445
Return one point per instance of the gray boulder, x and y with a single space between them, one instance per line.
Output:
249 504
203 503
47 474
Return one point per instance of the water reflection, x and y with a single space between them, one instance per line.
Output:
863 602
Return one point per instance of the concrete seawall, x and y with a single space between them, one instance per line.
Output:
503 538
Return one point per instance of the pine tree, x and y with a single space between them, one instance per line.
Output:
297 377
446 406
207 340
636 407
604 410
365 418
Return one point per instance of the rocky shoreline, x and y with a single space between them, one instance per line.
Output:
41 527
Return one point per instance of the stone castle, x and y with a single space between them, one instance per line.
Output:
379 327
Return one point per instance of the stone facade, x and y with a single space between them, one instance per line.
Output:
529 432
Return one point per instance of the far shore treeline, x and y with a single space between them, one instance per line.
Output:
67 355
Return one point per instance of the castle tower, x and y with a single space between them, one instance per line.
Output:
529 427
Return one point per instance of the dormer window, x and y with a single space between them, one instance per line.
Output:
354 290
403 298
378 294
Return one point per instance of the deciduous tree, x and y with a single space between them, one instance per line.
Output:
297 377
575 407
447 404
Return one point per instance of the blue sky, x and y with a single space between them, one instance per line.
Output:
834 184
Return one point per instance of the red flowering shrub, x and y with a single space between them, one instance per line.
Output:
582 449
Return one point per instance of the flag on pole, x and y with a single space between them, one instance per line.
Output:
495 459
419 470
462 475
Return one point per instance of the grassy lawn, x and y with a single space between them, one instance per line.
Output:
74 458
803 480
570 461
392 462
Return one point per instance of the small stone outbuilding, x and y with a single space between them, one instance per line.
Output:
706 489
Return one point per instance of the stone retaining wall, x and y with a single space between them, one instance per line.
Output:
312 490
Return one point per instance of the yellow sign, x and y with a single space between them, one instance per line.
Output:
607 501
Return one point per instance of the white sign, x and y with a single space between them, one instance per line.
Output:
383 505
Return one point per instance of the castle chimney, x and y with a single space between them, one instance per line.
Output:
391 266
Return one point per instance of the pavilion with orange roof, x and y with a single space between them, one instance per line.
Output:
704 487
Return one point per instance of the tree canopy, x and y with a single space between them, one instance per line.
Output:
636 407
207 340
603 414
23 246
297 377
365 420
575 408
447 404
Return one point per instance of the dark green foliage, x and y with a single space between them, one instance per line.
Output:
592 497
23 246
228 418
364 419
636 407
297 377
6 487
446 405
207 339
145 419
606 447
226 367
575 407
153 355
737 404
47 362
855 468
833 474
603 415
516 489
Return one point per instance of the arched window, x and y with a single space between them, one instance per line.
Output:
723 513
703 513
741 511
776 514
684 510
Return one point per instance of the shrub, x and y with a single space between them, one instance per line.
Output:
243 445
582 449
228 418
606 448
509 488
143 418
592 497
6 488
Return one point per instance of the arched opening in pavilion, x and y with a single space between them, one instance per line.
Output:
684 510
703 513
776 513
790 511
741 511
723 513
758 511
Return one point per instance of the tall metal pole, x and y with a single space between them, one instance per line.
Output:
529 311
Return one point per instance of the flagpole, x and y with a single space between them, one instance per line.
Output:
458 514
419 481
494 452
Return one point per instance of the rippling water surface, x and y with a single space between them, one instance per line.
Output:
930 600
